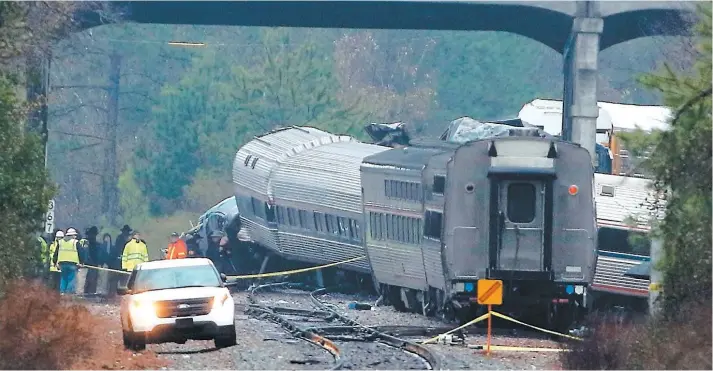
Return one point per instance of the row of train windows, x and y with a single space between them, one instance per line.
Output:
319 222
309 220
402 190
403 228
411 190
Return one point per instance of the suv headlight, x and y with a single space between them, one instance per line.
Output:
143 308
221 299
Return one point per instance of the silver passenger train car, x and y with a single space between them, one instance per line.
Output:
625 206
432 218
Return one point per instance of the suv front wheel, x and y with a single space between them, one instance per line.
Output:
226 338
133 341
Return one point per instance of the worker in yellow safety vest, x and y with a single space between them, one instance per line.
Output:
135 252
67 258
54 271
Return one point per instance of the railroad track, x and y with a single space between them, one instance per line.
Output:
353 345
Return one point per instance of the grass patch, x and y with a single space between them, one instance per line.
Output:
682 343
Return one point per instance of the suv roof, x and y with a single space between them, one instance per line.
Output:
158 264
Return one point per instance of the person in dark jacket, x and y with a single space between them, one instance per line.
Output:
114 260
92 258
119 244
213 250
226 257
192 243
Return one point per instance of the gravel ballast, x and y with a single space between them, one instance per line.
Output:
263 345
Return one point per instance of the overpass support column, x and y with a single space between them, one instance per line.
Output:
579 102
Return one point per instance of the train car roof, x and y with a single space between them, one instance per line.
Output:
405 158
327 176
255 160
619 198
547 113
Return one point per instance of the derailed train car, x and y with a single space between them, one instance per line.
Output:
625 208
433 217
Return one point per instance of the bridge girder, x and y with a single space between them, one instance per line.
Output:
548 22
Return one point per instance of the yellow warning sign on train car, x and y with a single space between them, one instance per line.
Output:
490 292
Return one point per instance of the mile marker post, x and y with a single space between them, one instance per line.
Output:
490 292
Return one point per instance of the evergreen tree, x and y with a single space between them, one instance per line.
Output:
681 164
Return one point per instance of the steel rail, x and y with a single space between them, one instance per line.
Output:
406 345
292 328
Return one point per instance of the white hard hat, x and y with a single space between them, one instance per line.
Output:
59 234
71 232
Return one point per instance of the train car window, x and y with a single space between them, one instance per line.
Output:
318 221
439 184
522 202
387 224
347 227
258 208
372 225
418 231
343 228
623 241
356 233
304 219
380 226
335 226
280 215
387 188
328 223
394 189
404 226
291 216
269 213
432 227
395 227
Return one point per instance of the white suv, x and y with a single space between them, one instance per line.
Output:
176 300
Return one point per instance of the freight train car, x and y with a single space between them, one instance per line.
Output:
433 217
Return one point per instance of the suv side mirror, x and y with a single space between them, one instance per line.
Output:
122 290
223 277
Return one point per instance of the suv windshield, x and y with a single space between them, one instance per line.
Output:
175 277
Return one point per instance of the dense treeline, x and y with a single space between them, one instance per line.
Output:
183 111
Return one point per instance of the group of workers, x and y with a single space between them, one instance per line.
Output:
218 251
68 252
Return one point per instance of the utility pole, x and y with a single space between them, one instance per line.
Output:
37 82
110 182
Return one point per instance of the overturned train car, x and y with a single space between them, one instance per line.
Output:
432 218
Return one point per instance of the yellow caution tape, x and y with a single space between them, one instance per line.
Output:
535 327
434 339
103 269
518 349
295 271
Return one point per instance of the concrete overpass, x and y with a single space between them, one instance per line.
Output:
579 30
